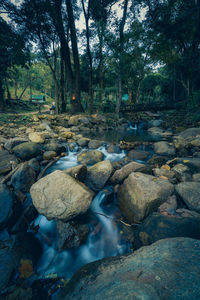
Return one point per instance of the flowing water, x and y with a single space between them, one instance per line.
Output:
105 237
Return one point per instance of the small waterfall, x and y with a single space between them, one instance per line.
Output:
104 242
135 127
111 156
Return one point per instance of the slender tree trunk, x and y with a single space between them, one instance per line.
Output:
90 87
120 70
62 80
2 102
7 89
100 34
75 100
138 92
16 87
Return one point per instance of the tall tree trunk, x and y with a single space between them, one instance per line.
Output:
90 87
16 87
121 50
75 98
2 103
62 82
100 35
8 91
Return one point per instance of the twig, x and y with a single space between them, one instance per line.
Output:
116 220
47 166
7 177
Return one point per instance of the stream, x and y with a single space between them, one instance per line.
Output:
105 238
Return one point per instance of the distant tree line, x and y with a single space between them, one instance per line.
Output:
148 49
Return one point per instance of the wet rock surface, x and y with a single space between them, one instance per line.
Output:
164 270
69 199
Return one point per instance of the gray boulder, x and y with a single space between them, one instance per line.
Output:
6 206
98 175
125 171
168 269
58 148
138 155
141 194
182 172
48 155
93 144
7 161
83 142
190 133
27 150
23 178
90 157
164 148
190 193
59 196
10 144
158 226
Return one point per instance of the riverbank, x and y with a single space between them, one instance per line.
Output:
156 182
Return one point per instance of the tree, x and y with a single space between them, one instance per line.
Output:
12 51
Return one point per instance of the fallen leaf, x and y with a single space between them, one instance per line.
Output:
163 177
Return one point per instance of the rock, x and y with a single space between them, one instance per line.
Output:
78 172
114 148
155 123
93 144
90 157
192 163
190 133
125 171
83 142
84 121
34 164
190 193
27 150
73 121
164 148
47 155
141 194
7 162
68 200
182 172
157 227
3 140
8 263
196 177
6 206
71 235
98 175
138 155
164 172
14 142
67 134
58 148
36 137
157 160
169 206
168 269
23 178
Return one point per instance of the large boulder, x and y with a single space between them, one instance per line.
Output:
6 206
90 157
27 150
7 161
98 175
59 196
23 178
141 194
164 148
125 171
190 193
83 142
158 226
168 269
58 148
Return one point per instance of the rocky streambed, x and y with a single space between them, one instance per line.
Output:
97 199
